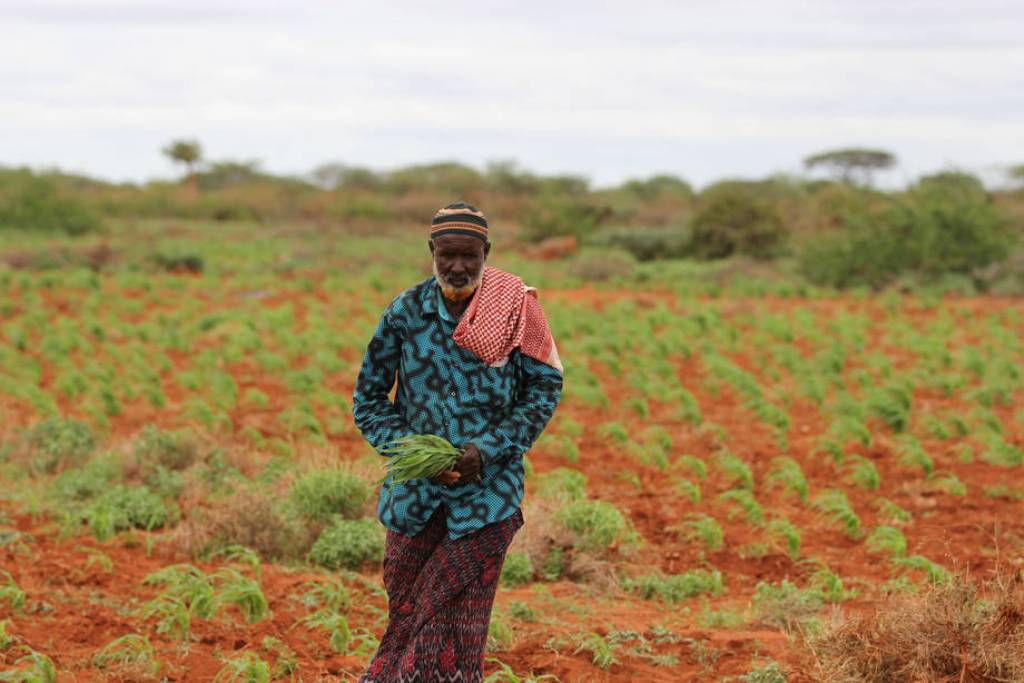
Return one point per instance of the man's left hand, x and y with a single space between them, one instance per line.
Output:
469 464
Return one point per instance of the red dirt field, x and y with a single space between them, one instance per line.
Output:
74 606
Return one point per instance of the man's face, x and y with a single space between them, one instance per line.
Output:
458 264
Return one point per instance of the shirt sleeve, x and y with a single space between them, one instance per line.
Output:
375 415
540 389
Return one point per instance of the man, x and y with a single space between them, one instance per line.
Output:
476 364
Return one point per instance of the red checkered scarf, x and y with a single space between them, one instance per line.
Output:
505 314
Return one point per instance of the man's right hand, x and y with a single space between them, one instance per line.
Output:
446 478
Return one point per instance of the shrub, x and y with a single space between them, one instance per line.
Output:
33 202
648 244
929 231
248 518
598 524
517 570
321 494
124 508
349 544
57 442
173 450
733 220
557 216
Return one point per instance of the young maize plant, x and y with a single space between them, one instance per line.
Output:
416 457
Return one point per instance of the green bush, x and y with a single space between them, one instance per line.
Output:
928 232
517 570
173 450
648 244
349 544
597 523
734 220
321 494
124 508
678 587
87 482
57 442
558 216
34 203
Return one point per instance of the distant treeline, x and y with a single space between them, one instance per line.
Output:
838 231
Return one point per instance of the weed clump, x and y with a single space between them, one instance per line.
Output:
517 570
951 631
598 524
349 544
319 495
56 443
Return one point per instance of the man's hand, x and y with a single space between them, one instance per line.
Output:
466 468
469 465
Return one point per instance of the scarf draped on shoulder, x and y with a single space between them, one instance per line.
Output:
503 315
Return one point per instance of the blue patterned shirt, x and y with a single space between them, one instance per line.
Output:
446 390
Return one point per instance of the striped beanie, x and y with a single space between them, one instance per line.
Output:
459 218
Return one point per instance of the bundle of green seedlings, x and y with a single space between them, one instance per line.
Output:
418 456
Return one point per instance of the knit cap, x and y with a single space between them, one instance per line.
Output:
459 218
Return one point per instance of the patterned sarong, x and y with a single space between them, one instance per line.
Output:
503 315
440 594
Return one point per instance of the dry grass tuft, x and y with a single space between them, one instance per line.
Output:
957 631
250 518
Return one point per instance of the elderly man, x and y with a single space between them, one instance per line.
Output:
475 363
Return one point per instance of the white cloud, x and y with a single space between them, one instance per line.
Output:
700 88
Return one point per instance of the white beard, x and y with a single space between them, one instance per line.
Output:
453 293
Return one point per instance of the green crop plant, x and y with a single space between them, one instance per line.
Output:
614 431
948 483
173 615
131 650
659 436
6 639
891 512
418 456
703 528
602 652
746 502
10 594
736 471
233 588
597 524
828 583
506 674
331 593
686 406
781 529
31 668
1002 453
321 494
245 668
787 474
912 454
834 504
863 473
887 539
892 404
343 639
934 572
687 489
286 662
692 465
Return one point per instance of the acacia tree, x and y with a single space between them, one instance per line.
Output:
187 152
852 165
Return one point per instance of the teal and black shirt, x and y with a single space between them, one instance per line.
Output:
446 390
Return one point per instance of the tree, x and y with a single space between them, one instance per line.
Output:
852 164
1016 172
187 152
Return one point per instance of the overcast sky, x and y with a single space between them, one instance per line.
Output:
702 89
